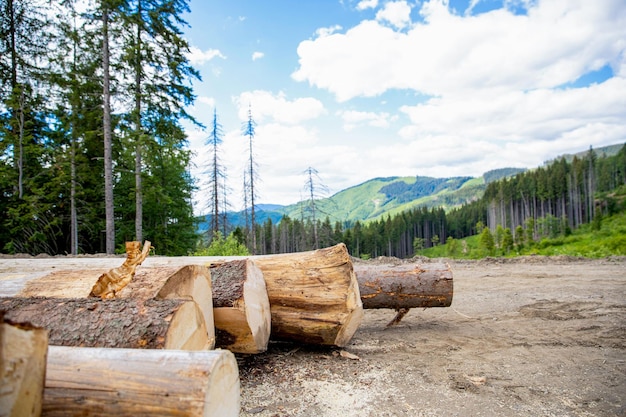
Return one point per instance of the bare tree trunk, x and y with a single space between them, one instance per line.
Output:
108 152
138 133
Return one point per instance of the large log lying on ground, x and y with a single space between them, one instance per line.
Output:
189 281
314 296
404 285
134 382
23 351
241 307
122 323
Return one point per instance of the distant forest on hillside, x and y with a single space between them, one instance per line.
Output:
544 202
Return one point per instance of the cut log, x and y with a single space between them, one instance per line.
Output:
314 296
23 351
241 307
133 382
404 286
189 281
123 323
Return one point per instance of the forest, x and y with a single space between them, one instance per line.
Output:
549 201
93 151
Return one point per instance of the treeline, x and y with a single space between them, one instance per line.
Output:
92 151
545 202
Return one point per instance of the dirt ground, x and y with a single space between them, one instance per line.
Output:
528 337
532 336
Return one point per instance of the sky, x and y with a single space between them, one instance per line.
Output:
359 89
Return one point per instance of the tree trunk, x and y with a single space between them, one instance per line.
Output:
122 323
314 296
241 307
190 281
23 350
404 285
131 382
107 133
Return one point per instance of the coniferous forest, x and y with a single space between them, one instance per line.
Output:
93 152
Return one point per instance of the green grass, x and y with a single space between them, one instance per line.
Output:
609 239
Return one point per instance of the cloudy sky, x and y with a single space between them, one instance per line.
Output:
358 89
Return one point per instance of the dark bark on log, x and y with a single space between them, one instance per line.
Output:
189 281
123 323
23 351
138 382
241 307
405 285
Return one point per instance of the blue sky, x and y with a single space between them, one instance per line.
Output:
373 88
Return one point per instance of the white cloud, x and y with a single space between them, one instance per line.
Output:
367 4
352 119
257 55
321 32
199 57
206 100
278 108
557 42
398 13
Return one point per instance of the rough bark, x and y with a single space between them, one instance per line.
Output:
404 285
122 323
23 351
132 382
241 307
189 281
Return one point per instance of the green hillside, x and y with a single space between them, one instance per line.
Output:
389 196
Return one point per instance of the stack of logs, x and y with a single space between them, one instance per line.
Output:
140 341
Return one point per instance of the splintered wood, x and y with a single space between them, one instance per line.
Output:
114 280
23 350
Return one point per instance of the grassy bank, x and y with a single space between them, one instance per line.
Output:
604 237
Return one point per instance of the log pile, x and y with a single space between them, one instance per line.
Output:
137 334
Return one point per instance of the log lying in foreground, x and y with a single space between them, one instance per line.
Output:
23 351
189 281
404 285
122 323
133 382
314 296
241 307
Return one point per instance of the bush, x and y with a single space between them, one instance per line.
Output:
224 247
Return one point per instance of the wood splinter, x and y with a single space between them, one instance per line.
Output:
115 279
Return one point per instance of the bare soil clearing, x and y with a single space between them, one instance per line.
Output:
531 336
528 337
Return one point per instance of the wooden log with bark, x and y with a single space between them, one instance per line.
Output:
23 352
406 285
134 382
188 281
241 307
314 296
123 323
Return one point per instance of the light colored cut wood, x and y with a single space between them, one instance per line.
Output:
314 296
23 351
134 382
241 307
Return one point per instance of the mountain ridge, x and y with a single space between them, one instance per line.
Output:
382 196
